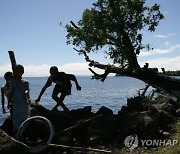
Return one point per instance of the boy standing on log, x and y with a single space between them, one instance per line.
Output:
63 86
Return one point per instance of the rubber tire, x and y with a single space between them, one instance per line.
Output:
25 126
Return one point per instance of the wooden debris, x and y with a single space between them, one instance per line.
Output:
78 148
79 124
12 59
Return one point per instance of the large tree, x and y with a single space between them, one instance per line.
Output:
116 26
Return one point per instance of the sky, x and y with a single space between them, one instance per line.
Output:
31 28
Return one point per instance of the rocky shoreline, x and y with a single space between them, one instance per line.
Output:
103 130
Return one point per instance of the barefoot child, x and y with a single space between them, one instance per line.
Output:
18 90
62 85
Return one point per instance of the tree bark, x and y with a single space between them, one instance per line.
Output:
162 82
130 54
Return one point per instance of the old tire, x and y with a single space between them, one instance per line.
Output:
36 132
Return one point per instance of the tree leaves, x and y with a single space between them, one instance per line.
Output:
116 25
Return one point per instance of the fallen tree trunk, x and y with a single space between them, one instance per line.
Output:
162 82
157 80
150 76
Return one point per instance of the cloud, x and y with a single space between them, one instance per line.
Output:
30 70
155 51
4 68
166 43
75 68
43 70
164 36
167 63
160 51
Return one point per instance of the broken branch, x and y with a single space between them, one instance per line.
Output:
12 59
78 148
79 124
108 68
74 25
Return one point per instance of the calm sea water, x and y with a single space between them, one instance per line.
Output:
112 93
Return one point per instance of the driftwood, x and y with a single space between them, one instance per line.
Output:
79 124
12 59
78 148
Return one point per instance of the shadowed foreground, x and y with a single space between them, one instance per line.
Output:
148 119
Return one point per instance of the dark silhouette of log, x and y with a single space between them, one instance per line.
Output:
79 124
12 59
78 148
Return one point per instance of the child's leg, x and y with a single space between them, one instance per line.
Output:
58 100
60 103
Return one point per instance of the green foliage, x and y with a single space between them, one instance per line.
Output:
116 26
173 73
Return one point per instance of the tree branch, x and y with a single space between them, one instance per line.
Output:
107 68
74 25
78 148
102 77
